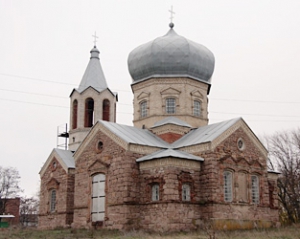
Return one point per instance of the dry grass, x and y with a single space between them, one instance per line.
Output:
291 232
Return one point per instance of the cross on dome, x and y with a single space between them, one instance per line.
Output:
171 17
95 38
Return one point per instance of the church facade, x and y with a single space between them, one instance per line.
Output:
172 170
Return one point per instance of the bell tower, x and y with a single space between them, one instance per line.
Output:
90 102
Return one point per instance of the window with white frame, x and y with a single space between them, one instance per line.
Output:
186 192
197 108
143 109
98 197
254 189
52 200
155 192
170 105
228 186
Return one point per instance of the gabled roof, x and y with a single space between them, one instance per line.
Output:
213 134
165 153
93 75
64 157
135 135
171 120
204 134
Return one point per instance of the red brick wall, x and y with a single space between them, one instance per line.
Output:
128 189
13 208
56 178
249 161
170 137
121 172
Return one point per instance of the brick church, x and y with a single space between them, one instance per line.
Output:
172 170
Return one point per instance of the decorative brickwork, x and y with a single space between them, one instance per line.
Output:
128 186
170 137
182 89
63 182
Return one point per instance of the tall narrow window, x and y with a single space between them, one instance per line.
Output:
52 200
255 189
143 109
74 114
197 108
242 187
170 105
105 110
227 186
89 112
98 198
155 192
186 192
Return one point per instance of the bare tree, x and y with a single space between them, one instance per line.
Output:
28 211
284 150
9 186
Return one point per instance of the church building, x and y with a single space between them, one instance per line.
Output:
171 170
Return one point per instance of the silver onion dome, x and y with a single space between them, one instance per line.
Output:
171 56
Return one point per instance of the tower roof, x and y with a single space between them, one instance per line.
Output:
171 55
93 75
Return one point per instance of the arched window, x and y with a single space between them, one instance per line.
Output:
227 186
105 110
186 192
52 200
170 105
89 112
254 189
74 114
155 192
98 197
143 109
242 192
197 108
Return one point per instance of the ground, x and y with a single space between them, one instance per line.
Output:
291 232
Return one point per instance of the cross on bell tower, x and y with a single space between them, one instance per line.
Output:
95 38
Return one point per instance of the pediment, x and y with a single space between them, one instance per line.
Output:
98 165
246 132
55 156
94 134
196 93
53 183
170 91
143 95
241 161
227 160
256 164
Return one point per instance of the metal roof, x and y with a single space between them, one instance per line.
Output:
171 55
169 153
204 134
171 120
66 156
275 172
93 75
135 135
200 135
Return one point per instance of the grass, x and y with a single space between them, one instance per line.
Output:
291 232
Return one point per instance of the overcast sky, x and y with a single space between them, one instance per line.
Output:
44 51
